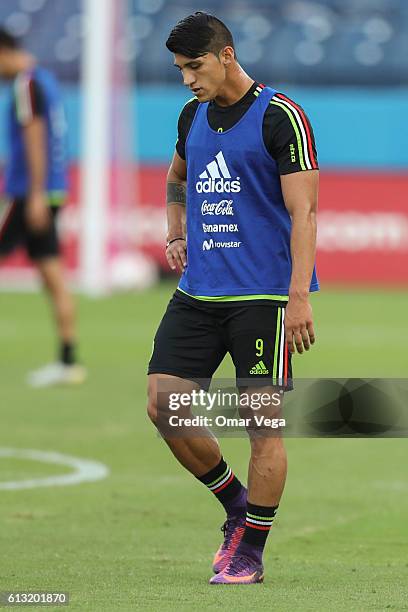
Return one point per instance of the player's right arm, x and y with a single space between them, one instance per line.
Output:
36 156
176 213
176 191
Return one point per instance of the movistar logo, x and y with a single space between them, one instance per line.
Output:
212 244
259 368
217 178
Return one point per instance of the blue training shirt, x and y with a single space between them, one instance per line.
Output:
238 227
36 92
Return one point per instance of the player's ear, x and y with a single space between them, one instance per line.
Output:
227 55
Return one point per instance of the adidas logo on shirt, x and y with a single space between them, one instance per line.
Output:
217 178
259 368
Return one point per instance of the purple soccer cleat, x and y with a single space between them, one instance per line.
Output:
233 529
240 570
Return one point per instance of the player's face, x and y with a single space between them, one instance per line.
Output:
203 75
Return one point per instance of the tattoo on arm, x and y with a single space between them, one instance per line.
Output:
176 194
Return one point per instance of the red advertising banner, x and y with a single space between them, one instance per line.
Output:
362 226
362 221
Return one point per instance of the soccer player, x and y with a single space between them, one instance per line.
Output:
241 205
35 187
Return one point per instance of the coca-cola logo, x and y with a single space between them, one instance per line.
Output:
224 207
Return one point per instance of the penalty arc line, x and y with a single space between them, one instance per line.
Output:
85 470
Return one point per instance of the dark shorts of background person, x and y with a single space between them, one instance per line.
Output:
194 336
14 231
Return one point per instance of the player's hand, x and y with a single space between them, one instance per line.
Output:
299 330
176 254
37 213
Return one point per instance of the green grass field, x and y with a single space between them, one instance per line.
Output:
144 537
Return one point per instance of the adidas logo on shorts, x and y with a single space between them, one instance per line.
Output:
259 368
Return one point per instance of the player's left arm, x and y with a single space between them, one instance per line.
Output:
30 114
300 193
289 138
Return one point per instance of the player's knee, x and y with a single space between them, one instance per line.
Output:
152 402
265 445
152 409
55 287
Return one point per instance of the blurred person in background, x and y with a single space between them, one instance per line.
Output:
245 164
35 189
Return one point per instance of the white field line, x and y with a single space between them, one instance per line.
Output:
85 470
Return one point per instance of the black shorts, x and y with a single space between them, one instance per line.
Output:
14 231
194 336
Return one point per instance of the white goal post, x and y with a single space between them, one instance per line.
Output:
96 130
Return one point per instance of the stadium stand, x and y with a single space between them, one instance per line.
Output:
319 42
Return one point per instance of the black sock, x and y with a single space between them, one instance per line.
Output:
67 353
226 487
258 524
